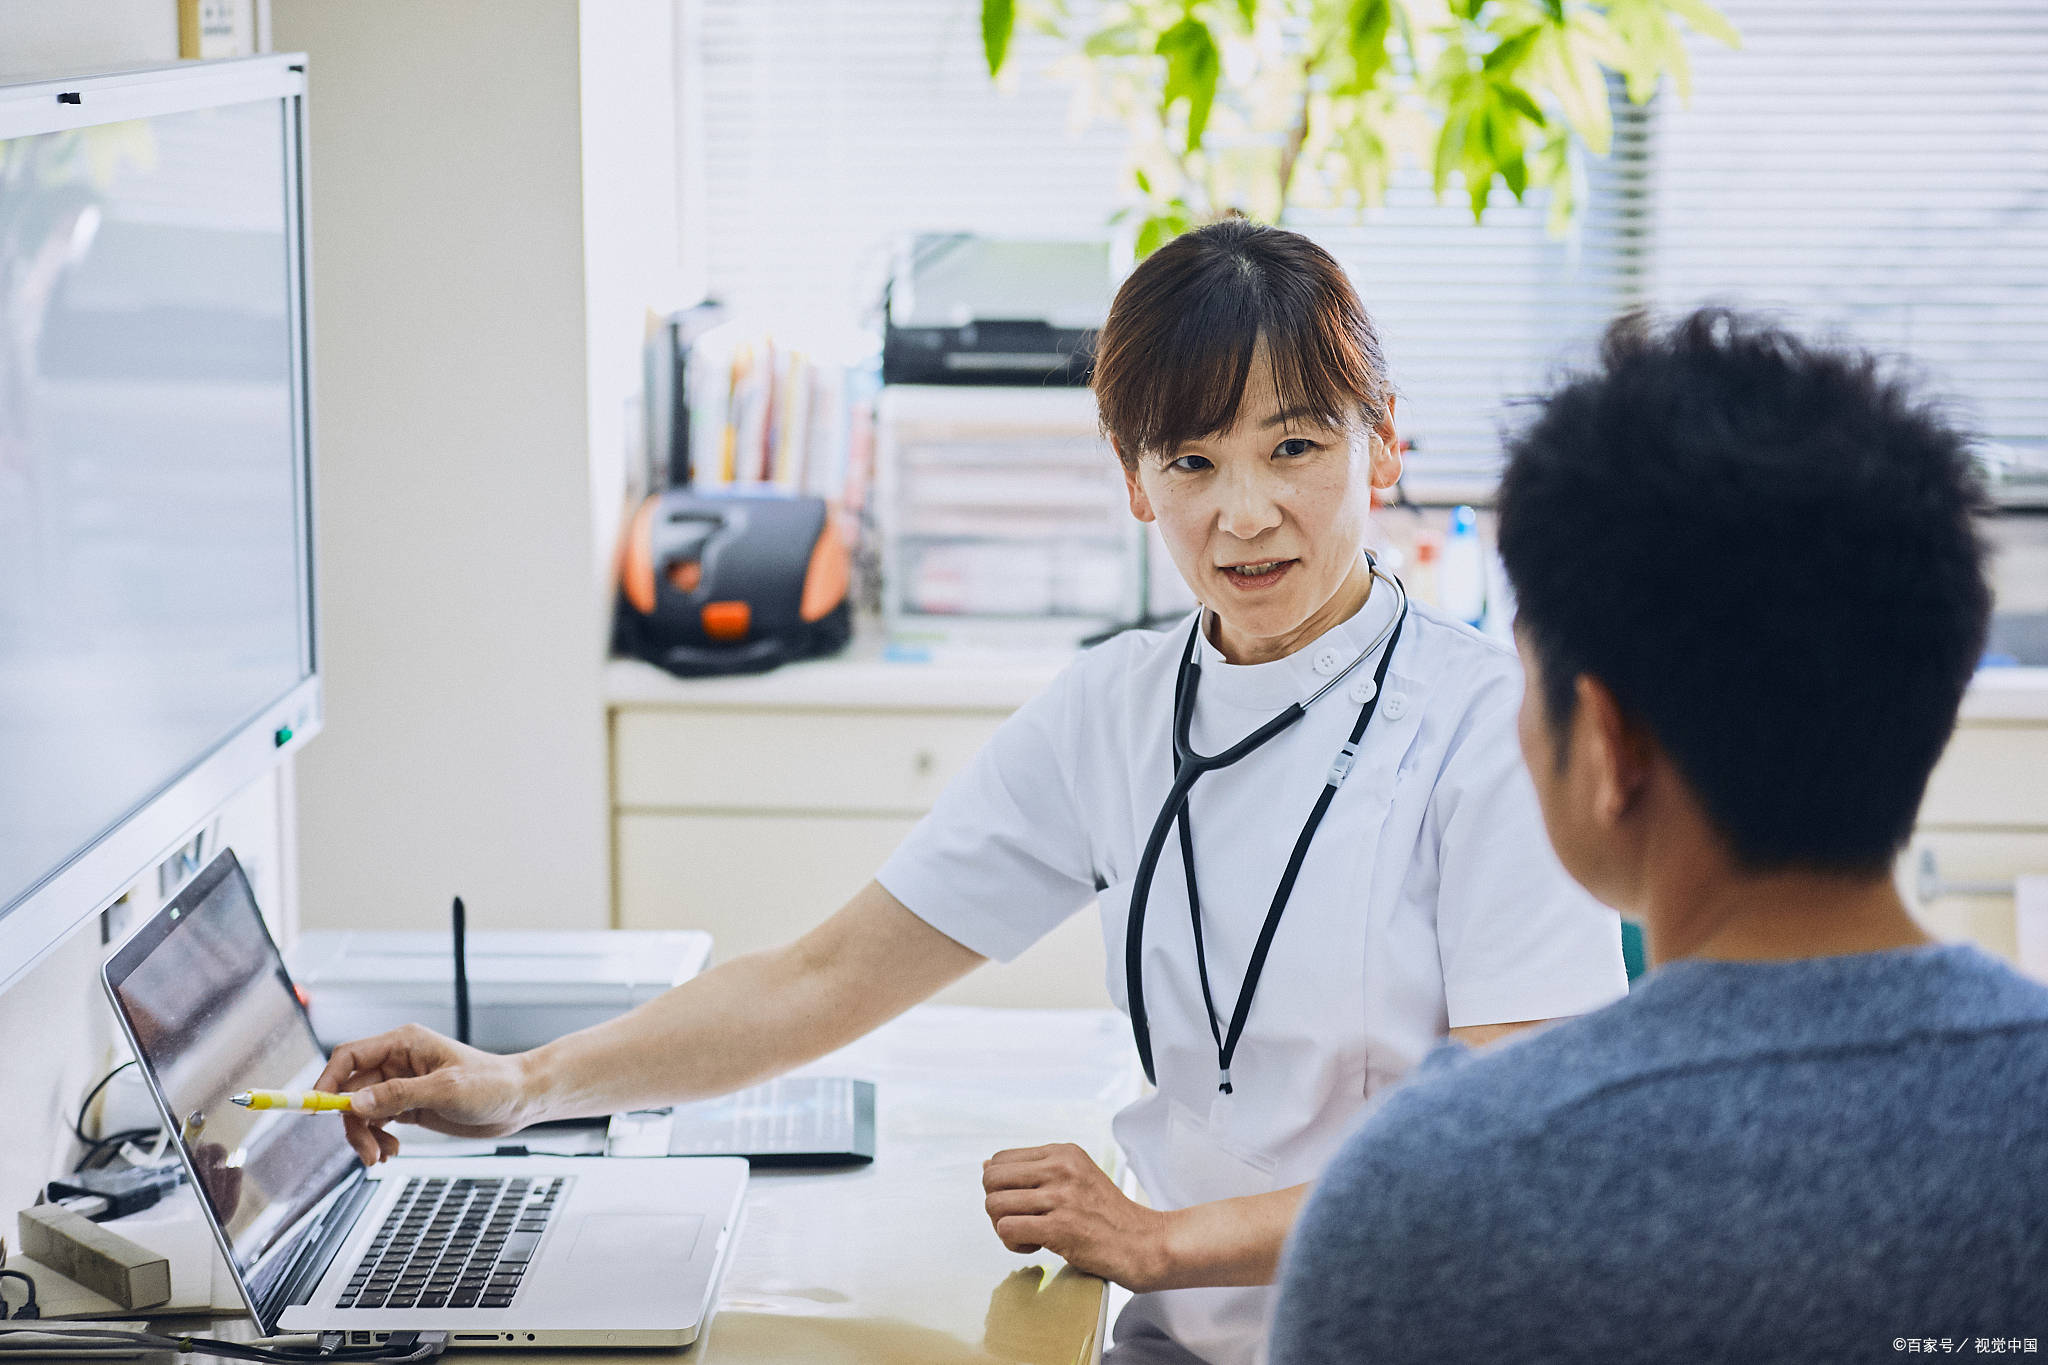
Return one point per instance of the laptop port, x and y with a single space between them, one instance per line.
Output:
359 1338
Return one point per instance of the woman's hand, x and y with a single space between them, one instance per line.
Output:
414 1075
1059 1199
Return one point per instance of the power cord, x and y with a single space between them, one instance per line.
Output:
78 1123
99 1150
403 1348
27 1310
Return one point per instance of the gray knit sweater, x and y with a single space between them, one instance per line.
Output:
1830 1159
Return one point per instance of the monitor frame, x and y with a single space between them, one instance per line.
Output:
92 878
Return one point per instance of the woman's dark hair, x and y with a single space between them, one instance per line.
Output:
1768 551
1171 362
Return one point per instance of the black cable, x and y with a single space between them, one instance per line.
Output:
97 1150
78 1124
412 1348
28 1310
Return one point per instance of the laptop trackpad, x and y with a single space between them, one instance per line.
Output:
637 1238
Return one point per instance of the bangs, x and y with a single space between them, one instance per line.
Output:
1175 357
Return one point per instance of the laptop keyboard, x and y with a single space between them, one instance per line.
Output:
451 1243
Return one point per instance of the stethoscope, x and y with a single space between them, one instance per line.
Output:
1188 765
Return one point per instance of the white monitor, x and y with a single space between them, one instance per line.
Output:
157 626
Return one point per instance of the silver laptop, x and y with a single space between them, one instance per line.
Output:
494 1251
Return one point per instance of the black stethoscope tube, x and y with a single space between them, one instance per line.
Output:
1190 765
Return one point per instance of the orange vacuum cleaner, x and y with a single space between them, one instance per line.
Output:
736 580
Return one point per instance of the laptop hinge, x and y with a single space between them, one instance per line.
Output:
291 1279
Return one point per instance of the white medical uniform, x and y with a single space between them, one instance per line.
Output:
1429 899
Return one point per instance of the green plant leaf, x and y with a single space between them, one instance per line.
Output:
1366 26
1510 52
998 22
1407 29
1144 181
1580 86
1248 10
1193 65
1706 21
1450 147
1367 160
1503 140
1162 226
1590 30
1479 189
1520 101
1152 234
1118 40
1651 47
1516 174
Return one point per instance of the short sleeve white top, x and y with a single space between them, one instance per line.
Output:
1429 898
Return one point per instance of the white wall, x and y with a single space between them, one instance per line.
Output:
631 239
459 531
79 37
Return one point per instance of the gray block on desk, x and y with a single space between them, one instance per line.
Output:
105 1262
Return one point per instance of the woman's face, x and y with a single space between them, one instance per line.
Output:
1266 521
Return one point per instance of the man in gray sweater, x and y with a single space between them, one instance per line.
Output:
1751 596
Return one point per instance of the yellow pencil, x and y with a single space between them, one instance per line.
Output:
306 1100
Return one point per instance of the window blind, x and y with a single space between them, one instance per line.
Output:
1874 166
1877 167
832 126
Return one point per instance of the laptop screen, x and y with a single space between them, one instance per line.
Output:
211 1011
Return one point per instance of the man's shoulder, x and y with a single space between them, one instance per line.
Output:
1711 1020
1727 1121
1695 1045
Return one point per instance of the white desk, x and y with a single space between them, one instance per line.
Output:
895 1263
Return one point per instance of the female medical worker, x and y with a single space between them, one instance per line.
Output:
1331 898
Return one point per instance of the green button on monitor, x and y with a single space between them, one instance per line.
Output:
284 735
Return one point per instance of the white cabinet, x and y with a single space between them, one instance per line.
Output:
1985 818
754 807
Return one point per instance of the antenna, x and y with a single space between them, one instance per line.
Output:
461 975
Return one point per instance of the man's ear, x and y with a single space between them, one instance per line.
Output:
1386 450
1141 506
1615 750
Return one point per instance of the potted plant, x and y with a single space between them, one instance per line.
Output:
1261 106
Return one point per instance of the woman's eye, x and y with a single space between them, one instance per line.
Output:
1190 464
1297 445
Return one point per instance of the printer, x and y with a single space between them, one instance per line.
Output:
967 309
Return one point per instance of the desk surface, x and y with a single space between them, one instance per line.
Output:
896 1261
